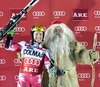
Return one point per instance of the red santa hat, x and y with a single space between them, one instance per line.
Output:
56 22
65 28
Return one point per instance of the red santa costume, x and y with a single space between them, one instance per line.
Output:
66 52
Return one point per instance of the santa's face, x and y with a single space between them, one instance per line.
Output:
58 29
57 32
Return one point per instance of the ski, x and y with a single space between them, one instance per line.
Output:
16 19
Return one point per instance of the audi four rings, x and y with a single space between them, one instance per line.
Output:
80 28
83 75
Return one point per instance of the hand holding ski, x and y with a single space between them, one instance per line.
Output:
16 19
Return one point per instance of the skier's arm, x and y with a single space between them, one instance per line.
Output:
8 43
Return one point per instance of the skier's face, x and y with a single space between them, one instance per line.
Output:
38 36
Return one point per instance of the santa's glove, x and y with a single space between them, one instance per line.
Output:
94 55
9 38
53 71
60 72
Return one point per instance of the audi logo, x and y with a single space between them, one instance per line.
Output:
97 13
20 29
98 43
80 28
97 28
32 61
2 61
84 75
38 13
1 13
59 13
2 45
17 62
84 43
2 77
16 77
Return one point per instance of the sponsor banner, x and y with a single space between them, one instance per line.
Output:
38 13
97 13
19 29
17 62
80 14
79 29
84 43
84 75
59 10
15 12
58 14
97 29
83 19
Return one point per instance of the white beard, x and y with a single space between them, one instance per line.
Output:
59 45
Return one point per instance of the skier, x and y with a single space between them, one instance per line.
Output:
33 57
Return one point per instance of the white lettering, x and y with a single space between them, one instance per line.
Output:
26 69
80 15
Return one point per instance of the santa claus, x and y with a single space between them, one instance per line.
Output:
66 51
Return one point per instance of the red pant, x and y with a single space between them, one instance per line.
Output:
28 80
